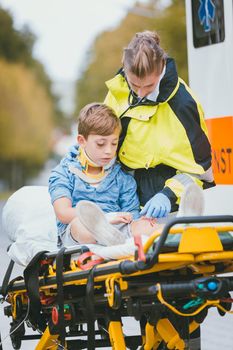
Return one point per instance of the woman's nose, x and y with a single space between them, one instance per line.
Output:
141 92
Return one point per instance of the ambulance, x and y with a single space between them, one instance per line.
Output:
210 65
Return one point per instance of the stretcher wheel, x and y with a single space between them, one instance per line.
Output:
16 342
16 337
19 308
117 297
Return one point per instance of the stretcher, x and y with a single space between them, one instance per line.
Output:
72 301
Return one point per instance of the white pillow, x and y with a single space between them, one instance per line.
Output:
28 219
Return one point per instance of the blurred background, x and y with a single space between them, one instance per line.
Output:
54 58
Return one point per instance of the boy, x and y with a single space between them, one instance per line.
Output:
89 174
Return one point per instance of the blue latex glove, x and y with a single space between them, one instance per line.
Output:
157 207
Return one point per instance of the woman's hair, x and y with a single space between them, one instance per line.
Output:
144 55
98 119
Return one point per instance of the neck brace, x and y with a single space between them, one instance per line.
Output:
86 163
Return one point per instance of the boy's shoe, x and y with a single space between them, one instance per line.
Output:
192 201
94 220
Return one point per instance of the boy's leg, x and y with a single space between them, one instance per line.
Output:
95 222
80 233
76 233
145 227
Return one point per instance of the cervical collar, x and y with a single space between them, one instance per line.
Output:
86 162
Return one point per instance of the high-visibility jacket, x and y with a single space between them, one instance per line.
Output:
170 131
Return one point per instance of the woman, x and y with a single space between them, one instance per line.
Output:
164 137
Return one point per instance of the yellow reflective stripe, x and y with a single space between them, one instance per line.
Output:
177 186
174 91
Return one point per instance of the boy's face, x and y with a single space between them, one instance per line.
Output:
100 149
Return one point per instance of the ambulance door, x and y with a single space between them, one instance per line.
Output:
210 65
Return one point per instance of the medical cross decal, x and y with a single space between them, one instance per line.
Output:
206 13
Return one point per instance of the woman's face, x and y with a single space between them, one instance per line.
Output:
143 87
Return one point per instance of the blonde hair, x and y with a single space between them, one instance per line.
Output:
98 119
144 55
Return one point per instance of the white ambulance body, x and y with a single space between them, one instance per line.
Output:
210 65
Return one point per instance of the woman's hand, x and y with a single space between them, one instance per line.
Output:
157 207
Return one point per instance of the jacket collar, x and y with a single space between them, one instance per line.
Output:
169 83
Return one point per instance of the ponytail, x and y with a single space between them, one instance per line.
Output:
144 55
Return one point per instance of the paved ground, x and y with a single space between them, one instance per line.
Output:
217 332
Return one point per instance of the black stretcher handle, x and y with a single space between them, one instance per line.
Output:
128 267
203 286
71 250
183 220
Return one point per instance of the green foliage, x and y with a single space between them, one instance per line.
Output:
25 122
28 108
104 59
15 46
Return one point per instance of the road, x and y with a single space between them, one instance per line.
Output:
216 331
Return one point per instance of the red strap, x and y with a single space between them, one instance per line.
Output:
46 300
84 262
46 261
140 250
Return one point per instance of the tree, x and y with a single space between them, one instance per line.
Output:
25 123
28 108
15 46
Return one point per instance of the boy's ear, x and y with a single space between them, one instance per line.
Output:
81 140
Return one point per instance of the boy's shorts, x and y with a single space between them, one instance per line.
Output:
65 239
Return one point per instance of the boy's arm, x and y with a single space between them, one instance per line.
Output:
128 198
63 210
60 190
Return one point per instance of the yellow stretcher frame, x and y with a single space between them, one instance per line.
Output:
200 253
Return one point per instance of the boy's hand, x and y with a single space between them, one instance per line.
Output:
122 218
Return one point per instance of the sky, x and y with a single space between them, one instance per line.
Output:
65 29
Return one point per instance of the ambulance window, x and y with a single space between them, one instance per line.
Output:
208 22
